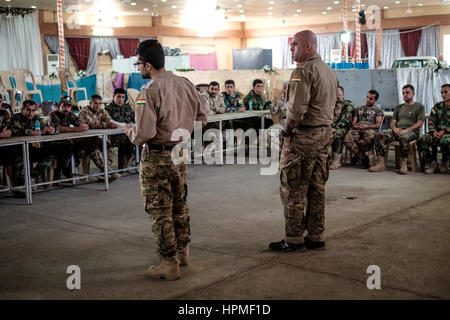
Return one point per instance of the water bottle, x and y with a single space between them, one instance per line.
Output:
37 128
250 105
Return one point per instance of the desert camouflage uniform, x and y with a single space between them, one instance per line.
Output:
94 146
343 111
439 120
126 115
304 165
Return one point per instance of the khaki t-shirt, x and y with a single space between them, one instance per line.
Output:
407 116
368 115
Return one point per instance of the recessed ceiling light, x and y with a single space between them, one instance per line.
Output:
363 5
270 8
33 7
386 7
133 3
329 8
241 11
397 2
295 14
299 10
269 13
163 0
324 12
271 2
336 2
420 4
239 5
174 6
145 9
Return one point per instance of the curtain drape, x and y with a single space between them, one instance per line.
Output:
128 46
101 44
53 44
79 50
429 42
391 49
371 51
352 46
20 43
286 55
410 41
326 42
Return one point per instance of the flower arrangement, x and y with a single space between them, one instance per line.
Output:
52 77
268 69
438 67
82 73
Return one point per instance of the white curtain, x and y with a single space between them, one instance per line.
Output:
20 43
326 42
98 45
286 55
426 82
370 36
429 42
391 49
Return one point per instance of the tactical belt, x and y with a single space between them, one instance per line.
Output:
159 147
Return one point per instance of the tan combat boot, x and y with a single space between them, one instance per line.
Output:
168 269
432 168
380 166
337 161
183 256
443 167
114 176
403 166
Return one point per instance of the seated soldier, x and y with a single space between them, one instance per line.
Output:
255 100
97 118
232 99
24 124
120 111
64 120
5 106
438 134
405 125
366 119
213 99
341 126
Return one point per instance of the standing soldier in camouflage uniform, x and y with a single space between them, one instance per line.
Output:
307 137
23 124
66 121
405 125
97 118
163 106
438 134
341 125
121 112
366 120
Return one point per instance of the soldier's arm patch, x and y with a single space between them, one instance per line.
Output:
296 79
140 102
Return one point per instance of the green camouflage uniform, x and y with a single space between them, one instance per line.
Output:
94 146
439 120
126 115
233 102
64 149
5 122
361 141
406 116
341 124
22 126
257 101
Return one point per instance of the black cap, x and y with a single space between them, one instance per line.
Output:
65 100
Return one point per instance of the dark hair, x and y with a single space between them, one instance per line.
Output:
152 52
95 97
256 81
26 103
446 85
213 84
229 82
119 91
375 92
342 88
406 86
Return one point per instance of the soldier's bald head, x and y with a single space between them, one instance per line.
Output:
304 45
306 36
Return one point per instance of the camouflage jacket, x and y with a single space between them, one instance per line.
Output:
5 119
121 114
439 118
232 103
258 102
58 118
95 120
344 116
22 126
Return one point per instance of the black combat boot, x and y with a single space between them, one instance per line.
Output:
286 246
314 245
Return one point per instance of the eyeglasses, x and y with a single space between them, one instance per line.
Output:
138 63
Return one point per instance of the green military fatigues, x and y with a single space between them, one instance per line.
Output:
232 102
258 103
439 120
126 115
22 126
406 116
304 165
5 154
341 124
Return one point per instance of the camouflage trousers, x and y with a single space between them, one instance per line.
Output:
382 139
94 148
41 155
426 141
359 141
304 173
163 188
63 151
338 140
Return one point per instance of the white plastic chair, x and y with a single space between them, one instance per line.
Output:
6 87
65 76
21 84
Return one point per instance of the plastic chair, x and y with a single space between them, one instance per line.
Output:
132 96
6 87
47 107
65 76
21 84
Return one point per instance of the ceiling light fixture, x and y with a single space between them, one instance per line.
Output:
336 2
133 3
299 10
145 9
324 12
329 8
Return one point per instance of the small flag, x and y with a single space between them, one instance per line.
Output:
296 79
140 102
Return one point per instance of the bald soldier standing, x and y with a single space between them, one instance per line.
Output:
307 137
165 104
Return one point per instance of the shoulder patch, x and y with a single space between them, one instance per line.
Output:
296 79
140 102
